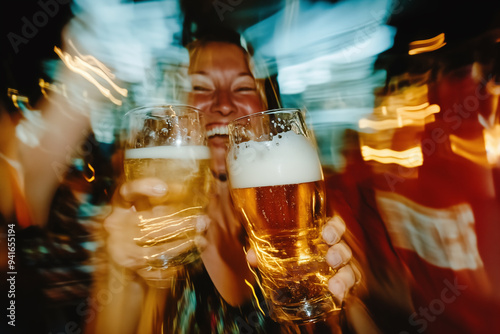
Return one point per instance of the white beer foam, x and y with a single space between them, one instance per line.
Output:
169 152
287 159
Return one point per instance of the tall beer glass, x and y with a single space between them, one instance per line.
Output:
169 142
276 183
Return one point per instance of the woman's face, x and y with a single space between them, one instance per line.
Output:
223 88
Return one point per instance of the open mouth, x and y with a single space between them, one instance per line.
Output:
218 131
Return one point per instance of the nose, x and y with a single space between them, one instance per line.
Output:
223 103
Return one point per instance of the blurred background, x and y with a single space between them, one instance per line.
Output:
328 57
402 96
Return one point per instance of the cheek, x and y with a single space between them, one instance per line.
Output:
200 101
249 105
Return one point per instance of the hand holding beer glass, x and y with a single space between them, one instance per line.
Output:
276 183
168 143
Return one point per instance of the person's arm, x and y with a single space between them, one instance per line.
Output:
45 164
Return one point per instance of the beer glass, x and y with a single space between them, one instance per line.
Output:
276 183
168 142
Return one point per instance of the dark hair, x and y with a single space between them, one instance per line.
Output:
216 34
202 22
22 58
6 80
202 25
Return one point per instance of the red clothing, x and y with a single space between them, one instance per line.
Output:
436 227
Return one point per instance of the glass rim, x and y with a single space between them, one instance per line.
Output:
143 109
266 112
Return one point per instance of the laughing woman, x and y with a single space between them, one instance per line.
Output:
219 297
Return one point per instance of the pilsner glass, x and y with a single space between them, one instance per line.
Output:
276 183
168 142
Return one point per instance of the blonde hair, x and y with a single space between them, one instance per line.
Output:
195 48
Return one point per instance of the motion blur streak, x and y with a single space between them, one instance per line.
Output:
453 243
427 45
323 54
387 124
47 86
92 177
492 145
470 149
85 69
32 126
408 158
418 112
406 116
139 40
254 296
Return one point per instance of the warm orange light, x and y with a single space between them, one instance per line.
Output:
492 144
405 116
427 45
418 112
14 95
386 124
86 66
473 150
255 296
409 158
92 178
44 86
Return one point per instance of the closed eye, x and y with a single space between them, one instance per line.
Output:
245 89
244 84
201 83
201 89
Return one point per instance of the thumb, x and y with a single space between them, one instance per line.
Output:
252 257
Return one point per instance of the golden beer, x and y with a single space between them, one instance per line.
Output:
284 220
169 229
279 190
